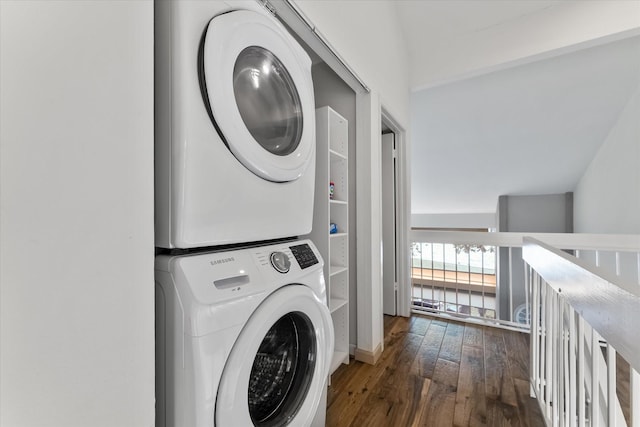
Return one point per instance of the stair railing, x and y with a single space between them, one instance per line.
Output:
585 333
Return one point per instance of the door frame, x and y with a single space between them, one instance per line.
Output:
403 212
370 320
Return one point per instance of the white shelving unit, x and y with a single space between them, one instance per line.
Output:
332 166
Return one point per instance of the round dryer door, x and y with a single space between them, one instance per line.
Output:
278 367
257 82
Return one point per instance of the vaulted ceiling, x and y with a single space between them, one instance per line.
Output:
452 39
513 97
531 129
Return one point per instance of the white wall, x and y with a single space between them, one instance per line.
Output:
542 213
470 220
76 223
368 36
607 197
559 28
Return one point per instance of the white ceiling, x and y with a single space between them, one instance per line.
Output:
426 21
528 129
442 36
512 96
453 39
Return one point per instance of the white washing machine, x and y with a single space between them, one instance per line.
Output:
243 338
234 126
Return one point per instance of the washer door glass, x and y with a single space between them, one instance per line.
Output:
267 100
277 370
282 371
256 84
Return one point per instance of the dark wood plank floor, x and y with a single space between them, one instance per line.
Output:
437 373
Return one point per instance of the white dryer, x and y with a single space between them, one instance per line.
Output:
234 126
243 338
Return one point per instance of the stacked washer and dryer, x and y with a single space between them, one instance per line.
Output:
243 333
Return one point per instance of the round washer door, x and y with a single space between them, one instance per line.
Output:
278 367
260 93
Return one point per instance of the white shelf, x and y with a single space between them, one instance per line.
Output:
338 155
332 166
336 269
337 303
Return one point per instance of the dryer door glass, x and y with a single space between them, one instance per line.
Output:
256 83
282 371
267 100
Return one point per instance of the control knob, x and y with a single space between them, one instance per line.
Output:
280 261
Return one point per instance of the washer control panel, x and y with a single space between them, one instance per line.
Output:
213 278
304 255
280 261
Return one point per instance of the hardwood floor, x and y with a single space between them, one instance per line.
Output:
437 373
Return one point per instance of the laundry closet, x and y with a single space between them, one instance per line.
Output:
335 203
244 335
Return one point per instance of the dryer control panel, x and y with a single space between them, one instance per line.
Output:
304 255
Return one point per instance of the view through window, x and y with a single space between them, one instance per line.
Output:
454 278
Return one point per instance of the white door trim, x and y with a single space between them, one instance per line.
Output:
370 325
403 219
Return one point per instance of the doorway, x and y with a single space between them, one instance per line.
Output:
389 177
395 216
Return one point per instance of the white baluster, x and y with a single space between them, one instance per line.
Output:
612 398
581 362
573 395
595 383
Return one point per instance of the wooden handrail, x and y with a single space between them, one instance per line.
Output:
578 241
592 292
